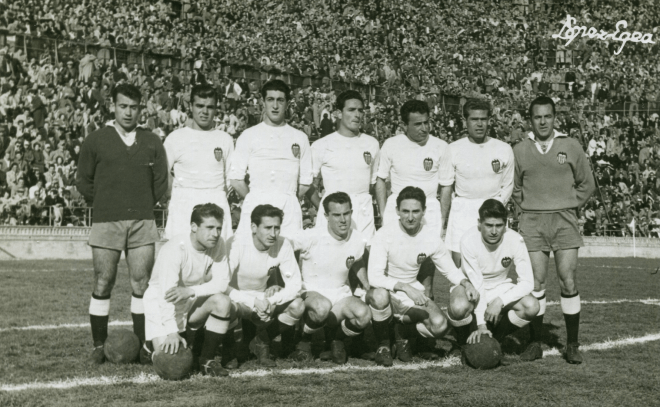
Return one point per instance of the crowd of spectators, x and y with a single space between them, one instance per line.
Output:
440 52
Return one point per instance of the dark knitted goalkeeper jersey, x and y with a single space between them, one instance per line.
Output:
124 183
558 180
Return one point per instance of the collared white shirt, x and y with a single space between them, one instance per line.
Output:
127 138
538 146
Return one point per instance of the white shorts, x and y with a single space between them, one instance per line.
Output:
182 204
492 293
464 215
153 321
333 294
362 219
432 216
292 222
400 301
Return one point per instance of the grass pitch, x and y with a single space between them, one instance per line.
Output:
45 338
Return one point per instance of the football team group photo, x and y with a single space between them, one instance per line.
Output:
306 202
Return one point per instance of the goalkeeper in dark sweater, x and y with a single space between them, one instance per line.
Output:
552 180
122 172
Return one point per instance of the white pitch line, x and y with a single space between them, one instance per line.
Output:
49 327
620 267
609 344
648 301
151 378
14 271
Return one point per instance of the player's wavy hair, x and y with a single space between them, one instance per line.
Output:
265 211
203 92
411 193
541 101
130 91
338 198
413 106
347 95
204 211
492 208
276 85
476 104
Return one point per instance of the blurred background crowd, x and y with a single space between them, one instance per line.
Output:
60 58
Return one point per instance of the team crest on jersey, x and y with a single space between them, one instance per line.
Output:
497 166
561 157
218 154
295 149
428 163
367 157
506 262
349 262
421 257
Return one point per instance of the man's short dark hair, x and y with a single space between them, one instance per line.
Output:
492 208
413 106
203 92
411 193
475 104
338 198
207 210
347 95
130 91
276 85
541 101
265 211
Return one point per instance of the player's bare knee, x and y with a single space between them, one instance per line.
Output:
531 307
220 304
460 308
103 286
568 286
438 326
296 308
378 298
140 285
362 316
319 310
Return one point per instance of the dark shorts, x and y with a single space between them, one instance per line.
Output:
550 231
123 234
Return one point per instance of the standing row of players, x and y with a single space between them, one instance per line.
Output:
481 172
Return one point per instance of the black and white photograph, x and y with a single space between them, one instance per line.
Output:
329 203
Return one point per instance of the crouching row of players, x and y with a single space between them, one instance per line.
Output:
199 280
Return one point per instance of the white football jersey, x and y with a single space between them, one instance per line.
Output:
482 171
409 164
200 159
347 164
397 257
250 269
179 264
277 158
326 261
488 266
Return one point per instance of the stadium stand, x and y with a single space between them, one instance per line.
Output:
59 60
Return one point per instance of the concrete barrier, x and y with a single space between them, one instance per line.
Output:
38 242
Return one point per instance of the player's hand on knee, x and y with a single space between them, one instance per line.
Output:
417 296
270 291
471 292
176 294
264 309
171 343
475 337
493 310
